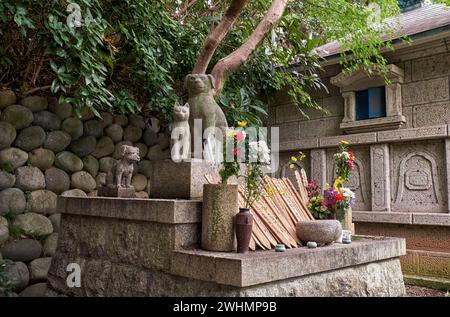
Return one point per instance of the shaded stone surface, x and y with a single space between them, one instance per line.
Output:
74 193
132 133
35 290
118 257
22 250
30 138
13 157
115 132
107 118
50 245
39 268
106 164
220 205
136 120
320 231
35 103
41 158
7 98
142 149
150 137
56 221
105 147
73 126
7 134
42 202
83 180
139 182
18 275
63 111
4 232
121 120
68 162
7 180
93 128
57 180
57 141
34 224
47 120
116 192
19 116
83 146
12 200
91 165
29 178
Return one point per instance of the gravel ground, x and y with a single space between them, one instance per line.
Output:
419 291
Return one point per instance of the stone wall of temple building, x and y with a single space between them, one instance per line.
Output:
46 151
402 175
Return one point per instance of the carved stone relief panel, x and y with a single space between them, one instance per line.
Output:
380 178
359 180
418 175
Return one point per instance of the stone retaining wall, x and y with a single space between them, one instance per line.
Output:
46 151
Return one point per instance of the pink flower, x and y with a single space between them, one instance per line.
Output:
240 136
235 152
351 164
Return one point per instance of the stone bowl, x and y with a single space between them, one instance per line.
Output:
320 231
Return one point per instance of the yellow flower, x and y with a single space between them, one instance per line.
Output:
291 166
344 142
327 186
302 155
242 123
293 158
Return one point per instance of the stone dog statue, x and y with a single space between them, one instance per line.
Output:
181 135
121 173
202 104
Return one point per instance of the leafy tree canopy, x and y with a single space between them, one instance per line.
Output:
131 53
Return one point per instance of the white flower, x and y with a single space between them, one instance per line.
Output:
347 192
259 152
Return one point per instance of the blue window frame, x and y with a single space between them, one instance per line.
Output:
371 103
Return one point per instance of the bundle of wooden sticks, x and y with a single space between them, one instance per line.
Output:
277 212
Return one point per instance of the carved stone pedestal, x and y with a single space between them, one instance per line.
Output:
120 192
183 180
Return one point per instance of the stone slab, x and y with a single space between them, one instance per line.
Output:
378 124
353 139
153 210
300 144
107 278
433 132
239 269
421 92
382 217
433 219
184 180
116 192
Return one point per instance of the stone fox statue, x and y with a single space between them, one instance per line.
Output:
202 104
121 173
181 135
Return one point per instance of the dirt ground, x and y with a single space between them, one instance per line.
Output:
419 291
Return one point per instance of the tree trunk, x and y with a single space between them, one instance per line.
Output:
216 36
232 62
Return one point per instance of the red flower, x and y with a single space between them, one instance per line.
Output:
338 197
350 153
235 152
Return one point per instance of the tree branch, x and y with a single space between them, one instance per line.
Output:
217 34
232 62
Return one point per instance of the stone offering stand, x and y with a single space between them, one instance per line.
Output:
147 247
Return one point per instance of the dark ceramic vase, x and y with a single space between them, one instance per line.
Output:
244 224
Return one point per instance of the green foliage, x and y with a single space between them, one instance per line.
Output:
131 53
6 286
7 167
14 230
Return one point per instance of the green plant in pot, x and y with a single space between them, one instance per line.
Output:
220 201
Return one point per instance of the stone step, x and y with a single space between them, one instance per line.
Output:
239 269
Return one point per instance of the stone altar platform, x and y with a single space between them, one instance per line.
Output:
147 247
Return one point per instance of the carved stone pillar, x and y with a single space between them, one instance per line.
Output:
447 163
319 167
349 106
380 178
